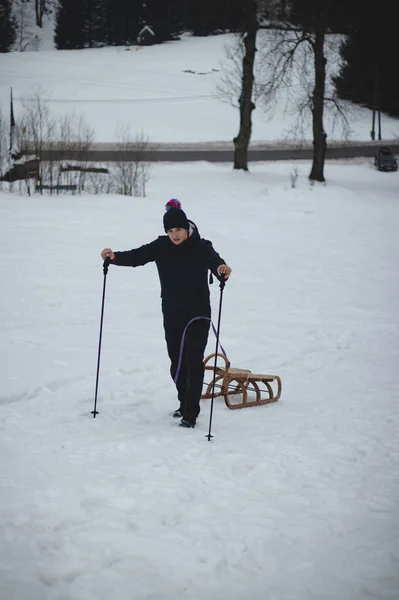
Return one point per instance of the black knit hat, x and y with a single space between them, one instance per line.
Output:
174 216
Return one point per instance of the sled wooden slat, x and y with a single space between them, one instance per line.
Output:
240 387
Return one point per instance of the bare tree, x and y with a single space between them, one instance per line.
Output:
317 107
66 136
299 53
246 104
25 39
229 85
39 129
241 80
132 170
99 182
71 135
4 153
84 138
40 8
45 143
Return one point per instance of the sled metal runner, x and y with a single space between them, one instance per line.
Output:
240 387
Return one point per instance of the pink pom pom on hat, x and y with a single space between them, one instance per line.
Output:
174 216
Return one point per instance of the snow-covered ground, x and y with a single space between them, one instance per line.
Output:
169 91
297 500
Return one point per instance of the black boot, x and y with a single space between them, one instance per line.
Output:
187 424
178 413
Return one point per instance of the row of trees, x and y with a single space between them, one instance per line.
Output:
17 20
299 46
369 72
49 141
88 23
7 26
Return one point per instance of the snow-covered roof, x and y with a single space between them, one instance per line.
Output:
146 28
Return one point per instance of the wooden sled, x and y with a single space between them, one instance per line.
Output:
240 387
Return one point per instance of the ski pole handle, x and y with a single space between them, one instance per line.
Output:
106 264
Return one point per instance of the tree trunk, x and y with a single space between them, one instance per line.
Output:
42 11
372 132
319 135
39 10
241 142
378 102
375 103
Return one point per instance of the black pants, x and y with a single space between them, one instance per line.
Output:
191 374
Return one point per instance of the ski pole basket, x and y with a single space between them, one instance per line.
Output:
240 387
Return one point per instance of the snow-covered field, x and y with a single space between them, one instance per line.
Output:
170 92
298 500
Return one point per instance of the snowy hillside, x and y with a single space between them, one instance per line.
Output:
168 91
296 500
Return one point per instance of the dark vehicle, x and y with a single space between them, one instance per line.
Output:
384 160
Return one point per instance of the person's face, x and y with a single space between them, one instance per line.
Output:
177 235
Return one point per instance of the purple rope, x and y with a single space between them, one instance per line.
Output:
182 344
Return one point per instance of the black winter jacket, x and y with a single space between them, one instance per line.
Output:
183 272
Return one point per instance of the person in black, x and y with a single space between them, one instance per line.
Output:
183 259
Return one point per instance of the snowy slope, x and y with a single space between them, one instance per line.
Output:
169 91
298 500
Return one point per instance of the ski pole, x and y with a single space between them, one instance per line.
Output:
222 284
105 270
